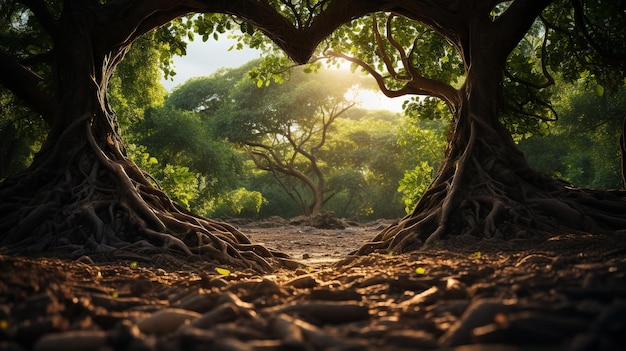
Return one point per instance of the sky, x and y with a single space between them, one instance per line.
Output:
204 58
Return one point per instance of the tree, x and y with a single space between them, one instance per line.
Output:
284 126
367 162
485 187
83 195
181 137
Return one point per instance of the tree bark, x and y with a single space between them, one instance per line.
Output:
622 146
485 188
82 195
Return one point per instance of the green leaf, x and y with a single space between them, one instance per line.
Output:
222 271
599 90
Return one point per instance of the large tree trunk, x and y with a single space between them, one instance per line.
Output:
82 195
486 189
622 146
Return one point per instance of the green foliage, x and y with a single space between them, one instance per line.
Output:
21 134
368 154
429 54
211 25
582 146
183 138
361 159
208 94
136 84
347 159
423 142
528 85
22 131
426 108
284 126
588 38
170 40
414 184
177 181
237 203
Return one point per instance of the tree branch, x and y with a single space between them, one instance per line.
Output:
445 17
333 115
26 85
403 56
417 86
544 69
381 48
583 24
513 24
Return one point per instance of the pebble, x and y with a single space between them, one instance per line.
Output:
166 320
286 330
77 340
198 302
506 301
303 282
223 313
328 312
478 314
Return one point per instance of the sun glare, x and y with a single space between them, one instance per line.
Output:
369 99
375 100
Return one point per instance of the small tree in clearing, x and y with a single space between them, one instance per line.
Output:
283 127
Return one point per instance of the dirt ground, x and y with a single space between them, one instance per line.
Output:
309 245
565 293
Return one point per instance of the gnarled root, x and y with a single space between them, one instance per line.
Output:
94 201
489 191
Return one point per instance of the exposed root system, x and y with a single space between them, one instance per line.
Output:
90 199
489 191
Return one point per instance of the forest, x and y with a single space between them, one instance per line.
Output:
374 164
492 205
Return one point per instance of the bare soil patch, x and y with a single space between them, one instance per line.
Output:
566 293
310 245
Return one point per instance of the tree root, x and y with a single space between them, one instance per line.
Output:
92 200
489 191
